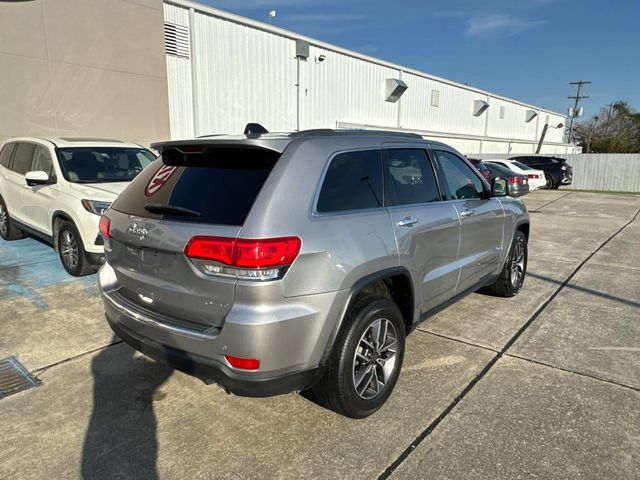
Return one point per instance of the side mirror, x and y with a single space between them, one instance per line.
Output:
499 187
36 178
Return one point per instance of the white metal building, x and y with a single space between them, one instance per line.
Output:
224 70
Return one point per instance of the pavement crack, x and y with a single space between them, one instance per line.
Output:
433 425
575 372
471 344
39 371
554 200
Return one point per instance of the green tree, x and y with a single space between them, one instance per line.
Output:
615 129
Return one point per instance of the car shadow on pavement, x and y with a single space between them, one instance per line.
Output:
121 437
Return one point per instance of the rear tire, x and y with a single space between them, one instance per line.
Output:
71 251
8 230
366 359
511 278
550 185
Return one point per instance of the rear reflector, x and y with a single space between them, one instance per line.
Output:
105 227
245 253
243 363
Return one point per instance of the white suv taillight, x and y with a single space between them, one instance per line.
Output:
248 259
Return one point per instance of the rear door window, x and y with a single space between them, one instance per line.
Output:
353 182
410 177
5 154
22 158
218 186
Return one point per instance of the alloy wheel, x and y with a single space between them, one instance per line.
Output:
69 250
517 265
549 180
374 361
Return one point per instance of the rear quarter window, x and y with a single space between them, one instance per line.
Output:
353 181
220 185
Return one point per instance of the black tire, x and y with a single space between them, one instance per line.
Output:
71 251
8 230
550 185
349 360
508 284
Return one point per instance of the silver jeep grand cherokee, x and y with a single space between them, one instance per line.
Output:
272 263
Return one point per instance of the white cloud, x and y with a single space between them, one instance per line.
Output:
499 25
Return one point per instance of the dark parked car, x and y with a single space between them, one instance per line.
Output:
482 168
556 170
518 184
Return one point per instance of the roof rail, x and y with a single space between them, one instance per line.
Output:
355 132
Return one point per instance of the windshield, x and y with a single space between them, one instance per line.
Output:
522 166
103 164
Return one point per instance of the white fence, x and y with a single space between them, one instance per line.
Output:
614 172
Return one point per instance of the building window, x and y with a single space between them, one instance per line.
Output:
501 113
435 98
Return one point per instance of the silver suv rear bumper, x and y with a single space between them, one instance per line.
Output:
289 343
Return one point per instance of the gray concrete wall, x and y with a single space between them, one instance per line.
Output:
83 68
613 172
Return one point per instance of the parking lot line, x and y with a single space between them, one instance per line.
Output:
425 433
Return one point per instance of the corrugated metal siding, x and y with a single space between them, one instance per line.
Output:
613 172
243 75
243 71
344 89
513 125
453 115
179 81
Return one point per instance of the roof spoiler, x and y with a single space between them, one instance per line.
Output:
254 129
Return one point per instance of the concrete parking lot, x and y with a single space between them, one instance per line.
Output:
546 384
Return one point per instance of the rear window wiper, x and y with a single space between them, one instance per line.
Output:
170 210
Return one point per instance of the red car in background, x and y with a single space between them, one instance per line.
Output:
482 168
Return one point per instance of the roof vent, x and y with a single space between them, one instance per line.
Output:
394 88
176 40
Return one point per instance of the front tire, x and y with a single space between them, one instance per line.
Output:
366 360
71 251
8 230
511 278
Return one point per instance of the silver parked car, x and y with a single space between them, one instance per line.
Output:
272 263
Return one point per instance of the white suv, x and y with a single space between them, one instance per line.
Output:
57 188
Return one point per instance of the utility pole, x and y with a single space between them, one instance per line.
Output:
577 99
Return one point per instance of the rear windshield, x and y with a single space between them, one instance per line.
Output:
103 164
522 166
218 186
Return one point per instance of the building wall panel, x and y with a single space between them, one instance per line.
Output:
243 75
344 89
454 113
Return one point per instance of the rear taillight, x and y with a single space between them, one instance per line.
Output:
563 167
533 175
243 363
515 180
105 227
256 259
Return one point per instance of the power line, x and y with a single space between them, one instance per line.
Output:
577 97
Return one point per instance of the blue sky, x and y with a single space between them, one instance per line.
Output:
525 49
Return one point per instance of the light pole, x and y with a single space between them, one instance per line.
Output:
272 14
544 133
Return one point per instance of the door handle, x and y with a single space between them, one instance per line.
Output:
407 221
467 213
